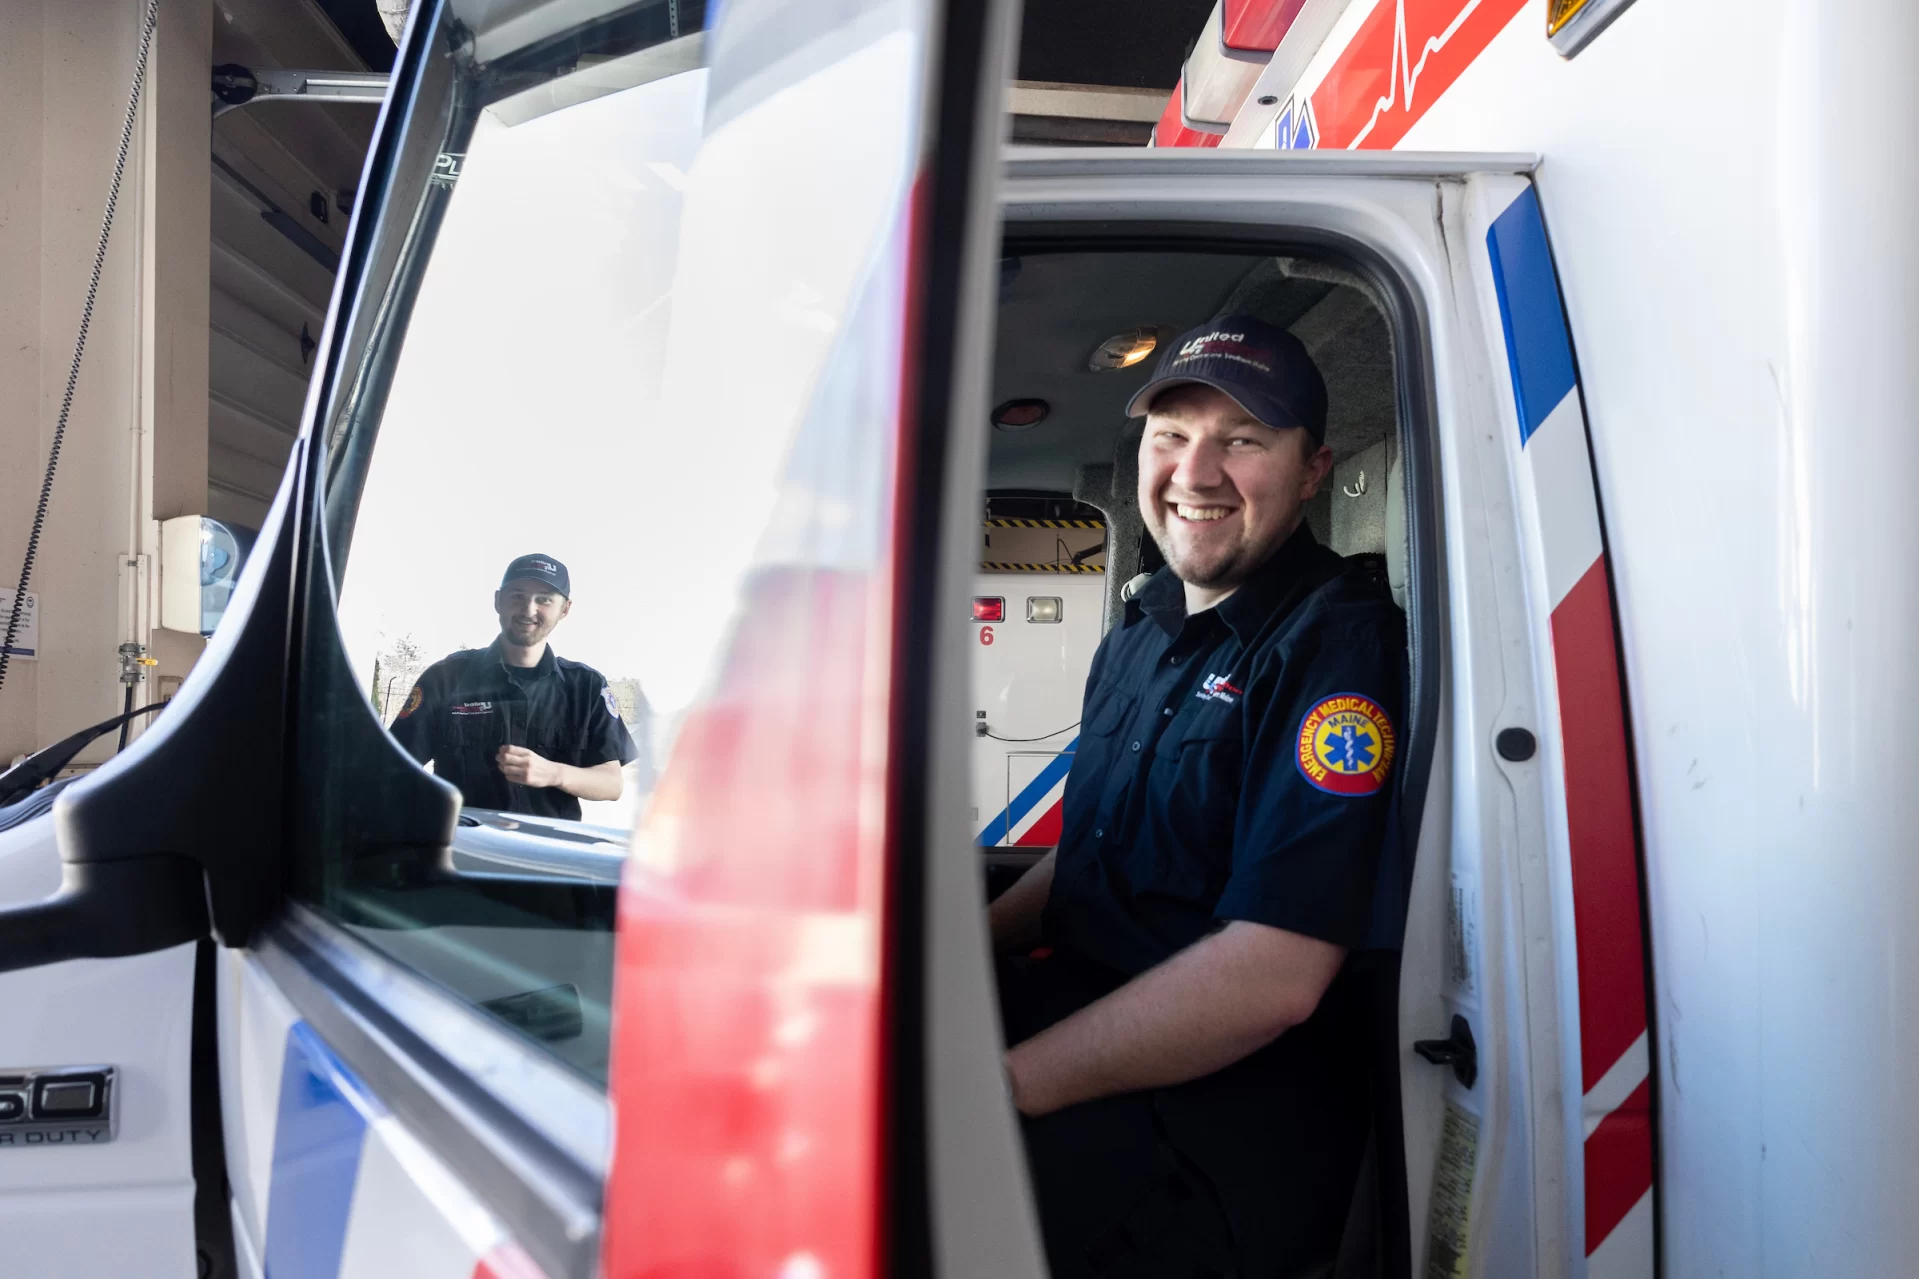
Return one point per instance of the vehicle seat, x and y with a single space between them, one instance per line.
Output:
1368 514
1398 548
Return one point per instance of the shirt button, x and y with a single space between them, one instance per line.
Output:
1099 834
1135 745
1167 711
1175 661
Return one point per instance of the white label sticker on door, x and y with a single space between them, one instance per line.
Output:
1446 1229
1462 938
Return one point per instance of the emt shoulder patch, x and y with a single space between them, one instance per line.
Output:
1346 745
612 702
412 703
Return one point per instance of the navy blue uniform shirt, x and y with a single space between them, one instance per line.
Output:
1234 764
469 704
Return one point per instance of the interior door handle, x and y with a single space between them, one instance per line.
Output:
1457 1051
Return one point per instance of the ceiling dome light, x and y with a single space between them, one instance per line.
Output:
1021 415
1124 350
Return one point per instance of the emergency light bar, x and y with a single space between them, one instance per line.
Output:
1171 131
1217 78
1233 48
1257 26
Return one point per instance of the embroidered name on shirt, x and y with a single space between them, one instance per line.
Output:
472 708
1216 688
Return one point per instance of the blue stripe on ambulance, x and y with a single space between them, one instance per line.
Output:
316 1159
1605 879
1536 336
1000 829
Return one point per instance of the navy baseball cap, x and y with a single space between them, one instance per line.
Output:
1263 367
542 568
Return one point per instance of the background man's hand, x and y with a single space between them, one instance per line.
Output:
526 768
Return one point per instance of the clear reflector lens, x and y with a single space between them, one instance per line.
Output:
989 608
1042 608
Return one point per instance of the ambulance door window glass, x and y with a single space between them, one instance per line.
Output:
505 501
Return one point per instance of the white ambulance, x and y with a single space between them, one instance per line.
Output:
723 306
1039 609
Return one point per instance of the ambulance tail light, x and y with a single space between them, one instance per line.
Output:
1257 26
989 608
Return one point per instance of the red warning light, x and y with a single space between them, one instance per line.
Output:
989 608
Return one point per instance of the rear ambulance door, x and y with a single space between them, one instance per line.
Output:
1522 927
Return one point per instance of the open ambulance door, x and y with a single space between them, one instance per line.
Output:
1514 1131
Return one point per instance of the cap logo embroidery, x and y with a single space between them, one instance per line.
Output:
1198 345
1226 346
1346 745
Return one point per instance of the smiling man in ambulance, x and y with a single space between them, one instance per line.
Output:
1187 1061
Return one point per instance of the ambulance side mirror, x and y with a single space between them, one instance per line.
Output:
193 829
181 833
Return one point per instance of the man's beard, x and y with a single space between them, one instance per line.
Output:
1224 567
522 636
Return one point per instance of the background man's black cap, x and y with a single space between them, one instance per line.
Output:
543 568
1263 367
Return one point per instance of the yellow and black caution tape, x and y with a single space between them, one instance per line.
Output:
1046 524
1042 568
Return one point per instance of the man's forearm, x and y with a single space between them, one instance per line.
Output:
1014 915
1207 1007
600 782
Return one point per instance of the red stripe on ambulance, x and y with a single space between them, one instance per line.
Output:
1617 1155
1404 55
1605 866
1044 833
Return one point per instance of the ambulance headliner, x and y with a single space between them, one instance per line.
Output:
1056 308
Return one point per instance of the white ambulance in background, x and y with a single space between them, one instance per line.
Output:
1036 622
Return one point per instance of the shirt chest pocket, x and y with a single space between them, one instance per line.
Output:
1110 714
1212 730
1197 769
479 731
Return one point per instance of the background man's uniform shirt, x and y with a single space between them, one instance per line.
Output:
469 704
